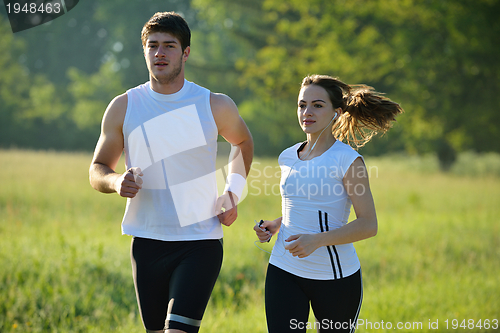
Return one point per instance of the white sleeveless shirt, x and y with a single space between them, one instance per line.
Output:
173 139
314 200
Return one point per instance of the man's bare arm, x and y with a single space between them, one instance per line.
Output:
232 128
108 151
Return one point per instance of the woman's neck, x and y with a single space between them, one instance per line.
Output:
318 145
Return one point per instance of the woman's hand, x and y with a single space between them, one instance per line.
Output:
267 229
302 245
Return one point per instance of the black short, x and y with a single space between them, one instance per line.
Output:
335 303
174 281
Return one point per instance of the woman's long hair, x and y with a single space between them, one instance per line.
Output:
365 111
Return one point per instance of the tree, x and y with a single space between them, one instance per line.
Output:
92 93
438 59
13 87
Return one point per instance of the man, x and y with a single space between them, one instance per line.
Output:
168 128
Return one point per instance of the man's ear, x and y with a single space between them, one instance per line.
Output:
187 50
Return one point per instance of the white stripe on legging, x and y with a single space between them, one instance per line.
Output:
183 320
359 306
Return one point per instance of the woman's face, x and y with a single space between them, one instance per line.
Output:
315 110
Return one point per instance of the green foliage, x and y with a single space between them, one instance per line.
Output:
92 93
13 83
438 59
46 101
34 110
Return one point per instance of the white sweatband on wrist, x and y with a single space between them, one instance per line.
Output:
235 183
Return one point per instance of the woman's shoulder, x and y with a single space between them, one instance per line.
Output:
342 148
290 152
342 156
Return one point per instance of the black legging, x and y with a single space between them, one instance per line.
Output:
335 303
174 281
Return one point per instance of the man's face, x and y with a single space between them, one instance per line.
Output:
164 57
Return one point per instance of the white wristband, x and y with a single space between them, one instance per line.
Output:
235 183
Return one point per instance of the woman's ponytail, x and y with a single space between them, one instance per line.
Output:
365 111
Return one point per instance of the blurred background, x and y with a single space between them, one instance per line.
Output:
438 59
435 175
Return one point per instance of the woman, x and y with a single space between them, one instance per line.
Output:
313 260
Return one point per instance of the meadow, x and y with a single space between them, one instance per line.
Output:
433 267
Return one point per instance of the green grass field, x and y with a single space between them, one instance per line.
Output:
435 262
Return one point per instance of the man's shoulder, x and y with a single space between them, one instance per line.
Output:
221 103
119 102
220 98
117 108
141 88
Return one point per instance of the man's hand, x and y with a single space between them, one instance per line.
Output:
226 208
129 183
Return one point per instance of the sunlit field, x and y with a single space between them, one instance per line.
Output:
434 265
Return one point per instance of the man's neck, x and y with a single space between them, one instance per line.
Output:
169 88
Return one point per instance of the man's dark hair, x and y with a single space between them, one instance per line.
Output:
169 22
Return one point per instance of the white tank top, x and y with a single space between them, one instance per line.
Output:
173 139
314 200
